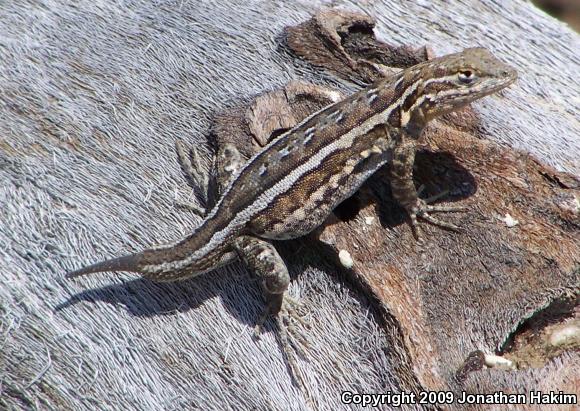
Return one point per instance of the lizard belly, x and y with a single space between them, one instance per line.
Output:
307 207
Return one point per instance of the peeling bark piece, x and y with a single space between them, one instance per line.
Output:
231 126
275 112
344 43
270 114
548 333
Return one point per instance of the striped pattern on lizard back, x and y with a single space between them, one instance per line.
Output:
291 185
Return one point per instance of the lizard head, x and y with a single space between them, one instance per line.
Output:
450 82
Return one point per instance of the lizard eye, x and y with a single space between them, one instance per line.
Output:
466 76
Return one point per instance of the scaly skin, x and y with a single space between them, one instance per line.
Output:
292 184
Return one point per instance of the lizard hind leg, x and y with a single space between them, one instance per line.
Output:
207 189
198 178
262 258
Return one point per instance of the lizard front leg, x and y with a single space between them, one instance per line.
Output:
404 190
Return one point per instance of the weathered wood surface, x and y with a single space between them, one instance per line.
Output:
92 99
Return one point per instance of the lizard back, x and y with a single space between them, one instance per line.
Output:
290 186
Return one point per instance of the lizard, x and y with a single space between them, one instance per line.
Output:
292 184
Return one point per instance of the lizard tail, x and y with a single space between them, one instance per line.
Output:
156 265
125 263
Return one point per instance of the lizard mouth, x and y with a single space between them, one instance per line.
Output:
507 77
502 84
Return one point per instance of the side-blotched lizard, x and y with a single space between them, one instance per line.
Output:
292 184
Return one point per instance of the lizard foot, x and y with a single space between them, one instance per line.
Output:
197 177
286 310
291 314
422 209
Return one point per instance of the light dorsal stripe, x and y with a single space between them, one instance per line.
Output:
263 200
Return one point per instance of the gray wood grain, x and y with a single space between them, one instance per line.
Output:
92 99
